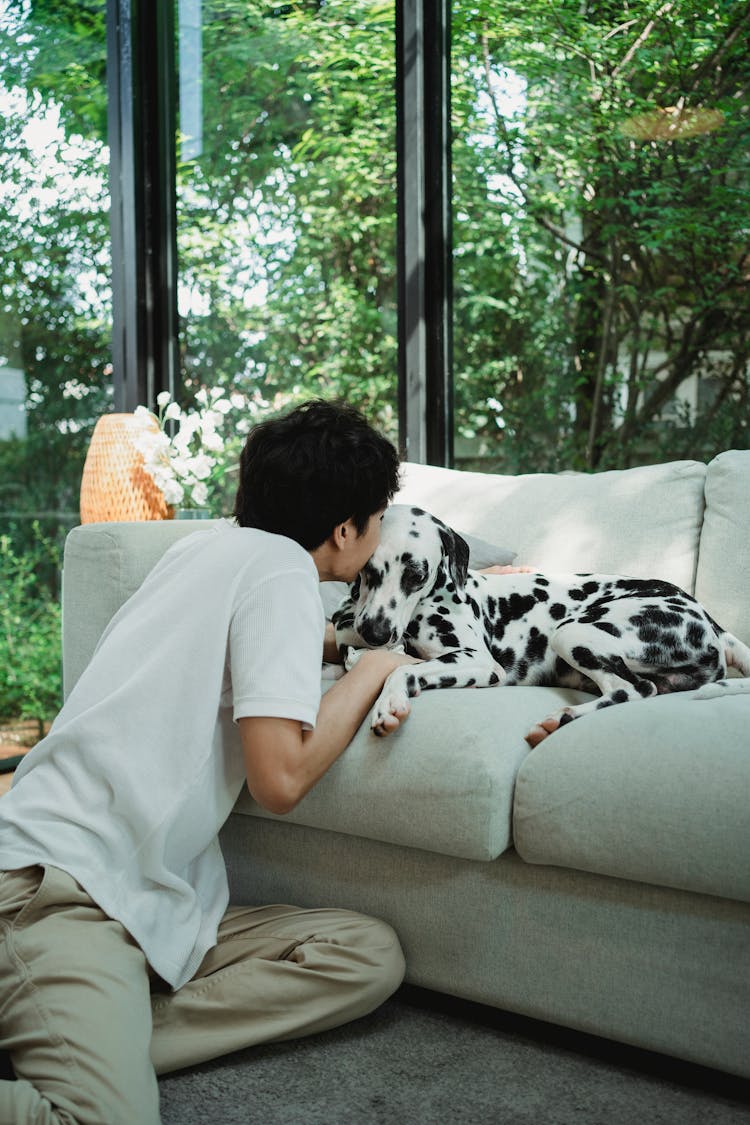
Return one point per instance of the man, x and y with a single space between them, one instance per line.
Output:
118 956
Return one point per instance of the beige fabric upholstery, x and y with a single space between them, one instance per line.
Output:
644 522
655 791
443 782
723 580
660 968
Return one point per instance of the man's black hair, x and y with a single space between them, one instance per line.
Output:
316 467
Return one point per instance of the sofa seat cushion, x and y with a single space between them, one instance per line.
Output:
443 782
657 791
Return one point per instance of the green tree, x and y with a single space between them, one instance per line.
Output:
622 183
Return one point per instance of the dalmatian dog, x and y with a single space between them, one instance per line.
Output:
624 638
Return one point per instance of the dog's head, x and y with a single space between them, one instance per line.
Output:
417 556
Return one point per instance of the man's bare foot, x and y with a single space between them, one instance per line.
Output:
542 730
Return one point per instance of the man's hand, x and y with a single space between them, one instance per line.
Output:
496 569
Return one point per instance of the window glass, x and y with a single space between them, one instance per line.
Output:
601 229
55 317
287 202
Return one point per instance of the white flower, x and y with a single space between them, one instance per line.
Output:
212 441
173 492
201 466
181 464
199 494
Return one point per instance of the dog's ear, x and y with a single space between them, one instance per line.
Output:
456 555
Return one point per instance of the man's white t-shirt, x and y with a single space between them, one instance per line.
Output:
144 762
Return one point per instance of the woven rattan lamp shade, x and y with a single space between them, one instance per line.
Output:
114 485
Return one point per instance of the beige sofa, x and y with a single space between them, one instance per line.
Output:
600 881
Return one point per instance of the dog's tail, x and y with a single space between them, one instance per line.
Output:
737 656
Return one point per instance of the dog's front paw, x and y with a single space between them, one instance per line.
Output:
392 705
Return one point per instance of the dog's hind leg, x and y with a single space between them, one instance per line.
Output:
618 676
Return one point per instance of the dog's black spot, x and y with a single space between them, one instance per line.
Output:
607 627
355 588
514 607
498 628
448 681
620 696
580 593
448 657
656 615
648 587
536 646
585 658
557 611
565 718
695 635
491 607
415 535
541 580
372 576
540 594
445 630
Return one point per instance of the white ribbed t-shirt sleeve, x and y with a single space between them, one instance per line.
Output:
276 649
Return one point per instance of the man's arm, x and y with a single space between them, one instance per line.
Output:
283 762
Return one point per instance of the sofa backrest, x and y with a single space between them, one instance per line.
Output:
104 563
723 578
643 522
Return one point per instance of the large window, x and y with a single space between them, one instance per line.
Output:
601 232
286 201
55 317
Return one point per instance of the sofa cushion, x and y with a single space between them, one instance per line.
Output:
443 782
723 578
655 791
643 522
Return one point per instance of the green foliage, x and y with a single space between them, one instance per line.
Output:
293 199
623 244
30 667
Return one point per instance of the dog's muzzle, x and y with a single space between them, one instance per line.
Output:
377 632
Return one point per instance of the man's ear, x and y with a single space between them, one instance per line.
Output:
342 534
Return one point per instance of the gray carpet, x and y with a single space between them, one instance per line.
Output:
426 1060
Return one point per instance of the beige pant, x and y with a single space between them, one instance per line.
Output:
87 1032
